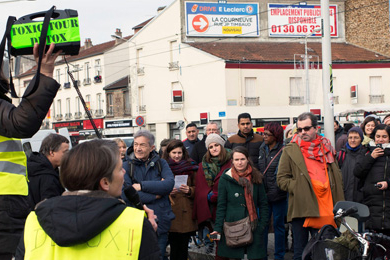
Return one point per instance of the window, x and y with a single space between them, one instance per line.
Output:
58 76
376 90
99 101
76 72
174 51
296 95
87 80
88 101
140 69
98 69
68 105
66 75
59 107
126 98
141 104
77 104
110 104
251 98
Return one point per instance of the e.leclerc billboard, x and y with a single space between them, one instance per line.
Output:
205 19
286 20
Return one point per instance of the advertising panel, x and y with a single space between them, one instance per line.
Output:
286 20
204 19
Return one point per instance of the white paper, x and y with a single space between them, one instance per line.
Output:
180 180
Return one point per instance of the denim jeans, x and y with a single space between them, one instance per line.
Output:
162 244
301 236
279 211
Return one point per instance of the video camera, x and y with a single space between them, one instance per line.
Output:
63 30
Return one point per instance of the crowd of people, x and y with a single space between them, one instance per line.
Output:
121 202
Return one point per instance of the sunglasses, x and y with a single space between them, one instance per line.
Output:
306 128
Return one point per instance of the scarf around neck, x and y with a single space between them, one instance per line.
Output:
318 149
212 169
353 149
183 167
244 179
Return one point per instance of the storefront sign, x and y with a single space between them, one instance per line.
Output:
72 126
298 20
98 122
118 124
204 19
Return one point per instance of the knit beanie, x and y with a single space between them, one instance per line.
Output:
358 130
214 138
287 129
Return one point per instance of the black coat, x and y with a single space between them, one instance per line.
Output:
251 142
44 179
199 150
265 156
347 160
371 171
22 121
339 132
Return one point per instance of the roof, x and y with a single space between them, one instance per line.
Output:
94 50
120 83
284 51
142 24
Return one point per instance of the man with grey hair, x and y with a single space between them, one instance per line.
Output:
199 149
153 179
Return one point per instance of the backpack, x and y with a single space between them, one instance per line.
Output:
326 232
131 170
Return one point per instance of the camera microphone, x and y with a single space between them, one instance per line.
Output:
132 195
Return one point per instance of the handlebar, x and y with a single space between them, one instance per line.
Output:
344 213
376 237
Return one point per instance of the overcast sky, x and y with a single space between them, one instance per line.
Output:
97 19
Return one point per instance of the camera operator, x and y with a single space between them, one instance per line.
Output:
22 121
373 170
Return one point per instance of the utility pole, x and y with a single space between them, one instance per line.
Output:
327 82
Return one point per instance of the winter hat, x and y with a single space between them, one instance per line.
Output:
214 138
358 130
287 129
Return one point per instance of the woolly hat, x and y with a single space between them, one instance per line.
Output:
214 138
287 129
358 130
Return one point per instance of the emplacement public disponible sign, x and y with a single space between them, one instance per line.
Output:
298 20
204 19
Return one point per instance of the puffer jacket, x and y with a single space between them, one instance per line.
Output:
265 156
371 171
148 175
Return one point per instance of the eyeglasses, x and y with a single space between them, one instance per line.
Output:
268 134
306 128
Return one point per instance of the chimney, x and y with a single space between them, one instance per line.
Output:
118 39
87 43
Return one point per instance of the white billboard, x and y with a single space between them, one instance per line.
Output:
285 20
204 19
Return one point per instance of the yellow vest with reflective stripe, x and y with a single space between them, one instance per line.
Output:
121 240
13 167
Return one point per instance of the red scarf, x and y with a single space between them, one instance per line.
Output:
245 180
318 149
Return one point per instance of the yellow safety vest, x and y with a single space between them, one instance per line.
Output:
121 240
13 167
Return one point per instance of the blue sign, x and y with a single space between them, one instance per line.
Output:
222 114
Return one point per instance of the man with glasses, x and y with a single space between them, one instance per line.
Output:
245 137
199 149
309 173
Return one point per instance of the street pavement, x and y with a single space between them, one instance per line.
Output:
199 253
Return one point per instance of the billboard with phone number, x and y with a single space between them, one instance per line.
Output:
204 19
286 20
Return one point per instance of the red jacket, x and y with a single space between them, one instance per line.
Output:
202 210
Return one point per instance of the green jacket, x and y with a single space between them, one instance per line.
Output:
294 178
232 207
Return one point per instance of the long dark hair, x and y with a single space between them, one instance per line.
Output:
256 175
380 127
366 121
173 144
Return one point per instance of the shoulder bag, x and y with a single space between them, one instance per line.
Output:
238 233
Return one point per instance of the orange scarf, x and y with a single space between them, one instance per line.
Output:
318 149
245 180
